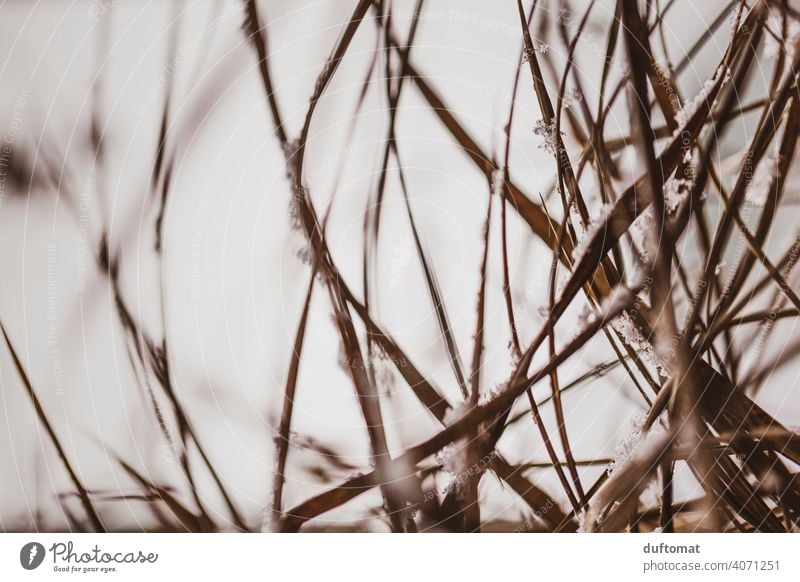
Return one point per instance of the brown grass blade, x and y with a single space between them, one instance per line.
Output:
88 506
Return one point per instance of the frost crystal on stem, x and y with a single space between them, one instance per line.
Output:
487 397
627 445
538 47
577 219
627 328
571 98
296 208
497 182
758 190
453 460
675 192
548 133
597 223
684 114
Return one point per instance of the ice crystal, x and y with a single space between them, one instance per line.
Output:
548 133
685 113
296 208
581 517
675 192
538 47
627 328
289 148
452 459
571 98
758 190
577 219
595 226
627 445
513 352
491 394
497 182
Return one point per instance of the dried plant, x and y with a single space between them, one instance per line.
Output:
666 230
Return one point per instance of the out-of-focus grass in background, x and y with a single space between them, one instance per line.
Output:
169 196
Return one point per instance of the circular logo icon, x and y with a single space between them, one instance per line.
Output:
31 555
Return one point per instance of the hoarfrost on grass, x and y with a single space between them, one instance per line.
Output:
493 393
453 460
497 181
538 47
685 113
595 226
758 190
549 135
512 352
571 98
628 444
627 328
581 518
296 211
675 192
577 219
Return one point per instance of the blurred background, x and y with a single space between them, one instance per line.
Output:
117 116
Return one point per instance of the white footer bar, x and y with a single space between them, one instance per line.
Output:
384 557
